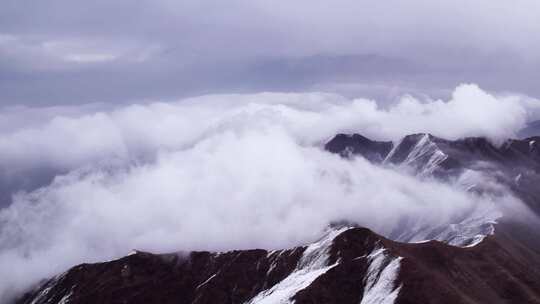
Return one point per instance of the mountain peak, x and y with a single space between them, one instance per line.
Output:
352 144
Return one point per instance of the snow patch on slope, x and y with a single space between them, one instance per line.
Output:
67 298
312 264
49 285
380 282
425 148
472 230
392 152
467 231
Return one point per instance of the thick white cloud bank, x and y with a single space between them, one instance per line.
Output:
223 172
70 140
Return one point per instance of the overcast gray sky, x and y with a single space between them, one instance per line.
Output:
99 178
73 52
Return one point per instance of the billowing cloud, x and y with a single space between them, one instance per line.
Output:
245 188
69 141
224 172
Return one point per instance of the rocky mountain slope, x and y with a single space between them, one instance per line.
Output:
348 265
471 260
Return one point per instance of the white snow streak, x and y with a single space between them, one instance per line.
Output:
65 299
206 282
393 151
314 262
50 285
424 148
465 232
379 287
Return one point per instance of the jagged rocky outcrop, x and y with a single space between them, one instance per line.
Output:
348 265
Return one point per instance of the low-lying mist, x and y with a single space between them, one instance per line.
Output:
224 172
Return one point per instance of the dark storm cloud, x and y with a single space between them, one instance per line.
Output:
62 51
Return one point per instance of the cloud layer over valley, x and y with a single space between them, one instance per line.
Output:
82 135
221 172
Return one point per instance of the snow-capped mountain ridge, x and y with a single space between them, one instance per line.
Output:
426 155
348 265
422 154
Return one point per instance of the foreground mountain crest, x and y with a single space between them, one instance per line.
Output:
348 265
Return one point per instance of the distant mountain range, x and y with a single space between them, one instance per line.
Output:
477 258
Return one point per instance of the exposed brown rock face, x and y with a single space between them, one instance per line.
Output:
496 271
